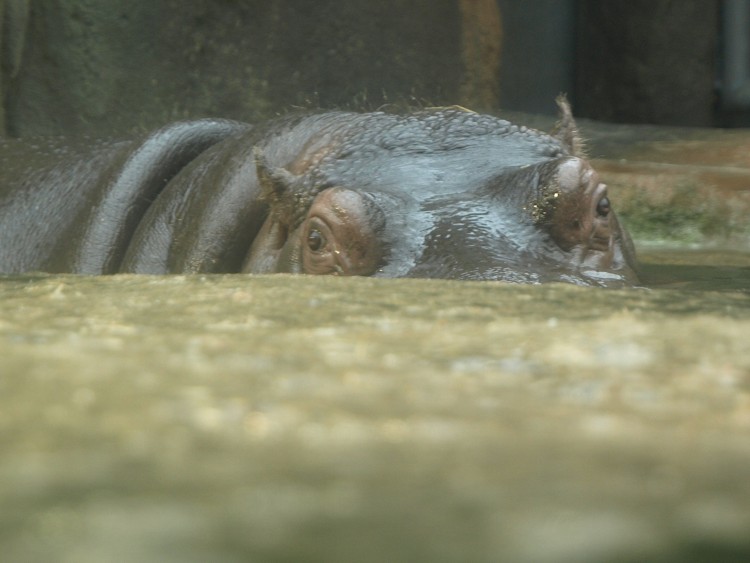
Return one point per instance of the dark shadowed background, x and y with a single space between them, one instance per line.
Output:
107 66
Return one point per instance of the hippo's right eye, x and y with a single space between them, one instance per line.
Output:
603 207
315 240
336 238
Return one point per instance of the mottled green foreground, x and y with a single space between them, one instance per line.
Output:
237 418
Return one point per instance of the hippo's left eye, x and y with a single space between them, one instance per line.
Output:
603 207
315 240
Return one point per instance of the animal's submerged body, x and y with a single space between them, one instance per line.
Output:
442 193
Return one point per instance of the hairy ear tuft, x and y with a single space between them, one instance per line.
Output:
277 186
566 129
274 182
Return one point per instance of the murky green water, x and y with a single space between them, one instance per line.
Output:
700 268
233 418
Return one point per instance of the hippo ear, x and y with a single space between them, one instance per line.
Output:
566 130
274 182
276 185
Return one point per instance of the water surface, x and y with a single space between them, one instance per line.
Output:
696 268
280 418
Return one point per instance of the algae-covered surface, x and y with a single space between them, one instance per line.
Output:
277 418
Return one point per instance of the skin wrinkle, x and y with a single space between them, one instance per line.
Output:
313 153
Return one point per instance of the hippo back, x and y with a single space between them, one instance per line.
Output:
72 207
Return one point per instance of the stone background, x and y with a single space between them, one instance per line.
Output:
110 66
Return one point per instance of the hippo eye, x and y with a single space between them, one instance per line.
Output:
315 240
603 207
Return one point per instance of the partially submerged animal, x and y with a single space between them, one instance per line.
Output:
437 193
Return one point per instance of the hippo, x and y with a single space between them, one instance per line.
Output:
431 193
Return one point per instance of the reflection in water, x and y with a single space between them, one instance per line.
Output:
696 269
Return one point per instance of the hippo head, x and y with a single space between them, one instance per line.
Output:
539 223
548 219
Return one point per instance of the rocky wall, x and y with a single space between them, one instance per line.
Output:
102 67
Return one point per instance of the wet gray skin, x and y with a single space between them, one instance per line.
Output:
550 222
441 193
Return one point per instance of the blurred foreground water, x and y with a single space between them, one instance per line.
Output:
236 418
